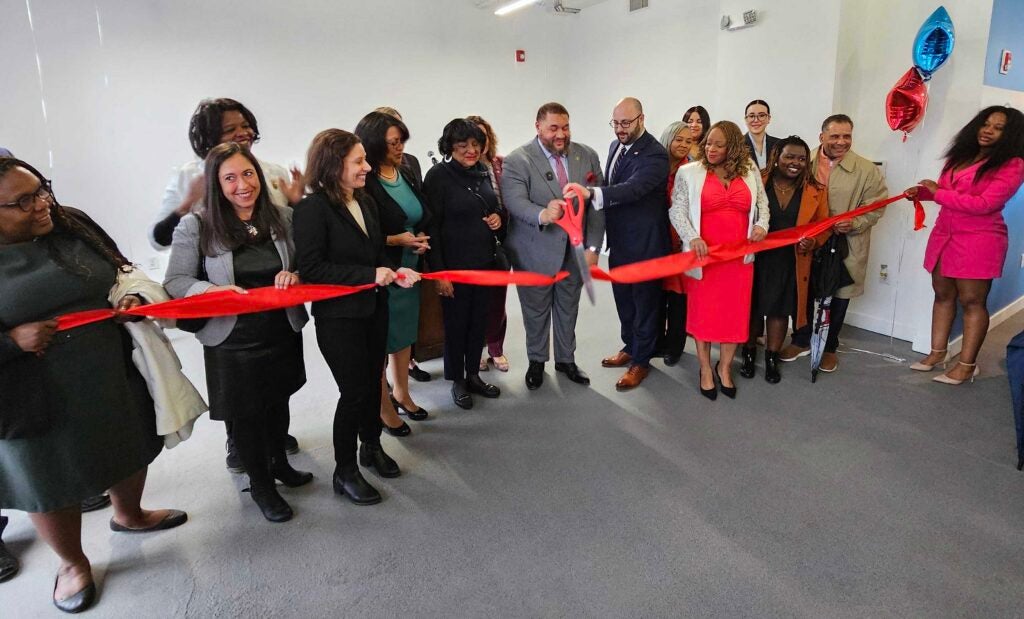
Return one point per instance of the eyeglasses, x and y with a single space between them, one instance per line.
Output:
395 142
626 124
761 116
28 201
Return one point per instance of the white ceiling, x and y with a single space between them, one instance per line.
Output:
545 4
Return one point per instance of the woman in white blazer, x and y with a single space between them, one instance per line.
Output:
253 361
719 199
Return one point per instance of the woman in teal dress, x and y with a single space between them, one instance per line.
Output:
75 414
404 215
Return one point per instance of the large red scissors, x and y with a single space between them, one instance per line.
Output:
572 222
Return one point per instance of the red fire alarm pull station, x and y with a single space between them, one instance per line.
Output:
1005 61
520 55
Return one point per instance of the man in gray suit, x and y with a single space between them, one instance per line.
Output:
533 176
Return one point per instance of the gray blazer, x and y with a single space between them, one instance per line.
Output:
181 281
527 185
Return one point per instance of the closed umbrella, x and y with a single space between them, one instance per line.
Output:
828 275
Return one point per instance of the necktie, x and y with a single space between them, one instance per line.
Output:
619 157
563 178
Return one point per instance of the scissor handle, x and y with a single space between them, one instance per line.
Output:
572 220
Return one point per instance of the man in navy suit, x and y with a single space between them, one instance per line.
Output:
636 221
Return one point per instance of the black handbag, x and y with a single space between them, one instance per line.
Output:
26 407
828 273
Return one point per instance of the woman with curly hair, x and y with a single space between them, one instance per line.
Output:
719 199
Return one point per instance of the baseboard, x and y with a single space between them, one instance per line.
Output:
882 326
994 321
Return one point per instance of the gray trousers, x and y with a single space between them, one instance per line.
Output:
552 307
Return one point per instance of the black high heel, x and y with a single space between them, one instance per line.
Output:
416 415
712 393
729 392
747 370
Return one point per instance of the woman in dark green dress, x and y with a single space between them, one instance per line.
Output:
75 414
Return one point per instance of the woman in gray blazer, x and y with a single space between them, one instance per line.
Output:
253 361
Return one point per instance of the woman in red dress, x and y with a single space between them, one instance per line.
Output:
719 199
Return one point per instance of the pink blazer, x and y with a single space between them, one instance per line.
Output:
969 238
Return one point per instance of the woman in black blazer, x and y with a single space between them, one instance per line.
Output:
338 240
466 227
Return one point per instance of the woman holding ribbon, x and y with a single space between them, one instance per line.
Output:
677 140
254 362
76 417
984 168
781 275
719 199
338 240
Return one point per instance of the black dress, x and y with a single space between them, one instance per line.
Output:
260 363
775 269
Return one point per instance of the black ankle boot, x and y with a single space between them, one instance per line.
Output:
283 472
274 508
351 483
373 455
749 358
771 367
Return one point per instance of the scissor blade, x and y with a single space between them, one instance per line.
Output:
588 281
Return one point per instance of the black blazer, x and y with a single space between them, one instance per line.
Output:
330 248
392 217
459 238
636 220
769 143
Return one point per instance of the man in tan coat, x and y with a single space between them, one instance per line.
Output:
852 182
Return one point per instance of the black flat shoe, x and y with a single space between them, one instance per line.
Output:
475 384
771 367
174 518
271 503
461 395
419 375
417 415
77 602
400 431
747 370
291 445
535 375
729 392
573 373
283 472
671 358
94 503
356 488
374 456
712 393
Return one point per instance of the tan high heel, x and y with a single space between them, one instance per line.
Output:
946 380
924 367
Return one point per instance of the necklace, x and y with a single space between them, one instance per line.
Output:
388 177
780 189
251 229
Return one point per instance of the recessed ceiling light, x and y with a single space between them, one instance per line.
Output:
514 6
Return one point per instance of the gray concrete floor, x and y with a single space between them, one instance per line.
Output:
871 493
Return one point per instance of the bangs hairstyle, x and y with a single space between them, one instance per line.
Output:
206 126
67 228
705 119
458 130
325 161
492 140
222 230
372 131
806 177
737 157
964 147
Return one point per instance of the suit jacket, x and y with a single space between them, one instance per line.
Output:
392 217
527 185
331 248
634 202
769 143
181 279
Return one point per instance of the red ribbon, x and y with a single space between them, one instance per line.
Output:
229 303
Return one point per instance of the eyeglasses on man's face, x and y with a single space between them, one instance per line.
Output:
28 201
625 124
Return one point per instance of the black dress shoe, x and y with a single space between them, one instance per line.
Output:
373 455
475 384
535 375
771 367
747 370
94 503
77 602
729 392
271 503
355 487
282 471
291 445
232 461
461 395
419 375
417 415
712 393
400 431
672 358
9 564
573 373
174 518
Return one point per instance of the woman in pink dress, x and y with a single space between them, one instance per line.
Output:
719 199
967 247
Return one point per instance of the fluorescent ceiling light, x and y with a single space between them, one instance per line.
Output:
514 6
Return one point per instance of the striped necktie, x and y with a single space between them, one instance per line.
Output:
620 156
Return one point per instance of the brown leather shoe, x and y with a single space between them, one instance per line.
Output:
829 362
633 377
618 360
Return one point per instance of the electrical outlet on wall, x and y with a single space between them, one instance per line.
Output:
883 274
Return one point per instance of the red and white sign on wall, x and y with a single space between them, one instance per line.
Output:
1005 60
520 55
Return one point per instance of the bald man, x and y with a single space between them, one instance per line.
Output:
633 200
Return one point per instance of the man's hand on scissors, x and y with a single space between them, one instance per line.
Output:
568 192
552 212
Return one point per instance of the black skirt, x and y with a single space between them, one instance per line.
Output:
243 380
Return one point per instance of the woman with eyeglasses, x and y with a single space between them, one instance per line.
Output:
76 417
698 120
404 218
758 116
467 226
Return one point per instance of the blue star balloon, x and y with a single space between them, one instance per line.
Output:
934 42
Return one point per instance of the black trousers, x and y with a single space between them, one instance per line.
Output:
672 320
637 306
260 437
802 336
354 349
465 329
